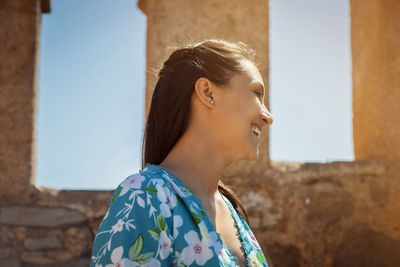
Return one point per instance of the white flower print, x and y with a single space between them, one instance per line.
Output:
172 223
116 257
165 210
118 261
132 181
165 244
167 199
197 250
176 258
218 247
118 227
136 194
177 222
158 181
182 191
211 236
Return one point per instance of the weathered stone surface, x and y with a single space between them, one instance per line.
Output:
283 255
10 262
46 257
362 246
378 189
263 212
6 237
6 252
36 257
19 232
375 43
92 204
39 217
50 242
78 240
76 262
79 262
290 171
94 226
19 31
327 203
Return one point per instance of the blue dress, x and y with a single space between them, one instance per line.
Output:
155 220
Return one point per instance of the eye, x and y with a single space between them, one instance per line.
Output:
258 93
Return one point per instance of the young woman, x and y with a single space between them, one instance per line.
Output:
207 111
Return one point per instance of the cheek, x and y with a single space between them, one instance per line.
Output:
234 121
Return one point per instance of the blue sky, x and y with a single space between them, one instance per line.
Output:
92 81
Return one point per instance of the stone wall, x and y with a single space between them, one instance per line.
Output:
303 214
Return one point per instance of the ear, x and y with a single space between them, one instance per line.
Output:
204 90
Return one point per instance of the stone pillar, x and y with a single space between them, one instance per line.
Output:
375 42
19 32
174 22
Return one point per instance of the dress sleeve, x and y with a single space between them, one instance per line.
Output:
135 230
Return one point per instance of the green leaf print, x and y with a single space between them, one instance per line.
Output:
114 197
180 200
195 217
144 258
136 248
152 189
203 212
182 264
154 232
161 222
260 257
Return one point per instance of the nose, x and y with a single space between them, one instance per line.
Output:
266 116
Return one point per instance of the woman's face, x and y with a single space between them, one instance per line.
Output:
237 110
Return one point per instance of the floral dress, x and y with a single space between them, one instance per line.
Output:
155 220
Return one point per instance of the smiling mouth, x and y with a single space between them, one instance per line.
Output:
255 130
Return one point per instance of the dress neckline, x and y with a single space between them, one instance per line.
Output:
230 250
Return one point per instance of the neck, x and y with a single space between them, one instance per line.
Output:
199 163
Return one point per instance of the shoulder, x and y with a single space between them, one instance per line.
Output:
138 224
147 180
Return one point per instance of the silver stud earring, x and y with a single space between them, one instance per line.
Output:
212 102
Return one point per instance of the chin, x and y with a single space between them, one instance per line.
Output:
251 152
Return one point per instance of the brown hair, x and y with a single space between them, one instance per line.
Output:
217 60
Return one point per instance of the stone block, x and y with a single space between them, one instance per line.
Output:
10 262
46 257
77 240
39 217
6 237
50 242
19 232
6 252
